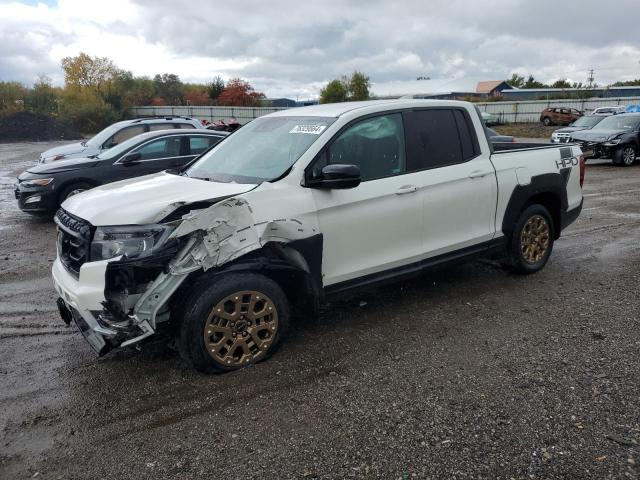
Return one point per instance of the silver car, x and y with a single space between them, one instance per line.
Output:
115 134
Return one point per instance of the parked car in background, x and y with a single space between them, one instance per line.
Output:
616 137
231 125
562 135
559 116
490 118
116 134
497 138
609 110
297 206
42 188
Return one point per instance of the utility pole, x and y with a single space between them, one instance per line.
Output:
590 78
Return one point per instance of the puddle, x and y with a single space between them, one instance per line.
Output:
4 180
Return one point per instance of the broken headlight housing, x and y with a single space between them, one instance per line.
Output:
131 241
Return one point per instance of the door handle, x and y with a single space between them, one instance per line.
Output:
406 189
478 174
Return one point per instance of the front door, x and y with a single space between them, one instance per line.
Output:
377 225
155 156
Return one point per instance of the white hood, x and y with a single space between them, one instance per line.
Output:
139 201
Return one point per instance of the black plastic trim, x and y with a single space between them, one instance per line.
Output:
547 183
407 271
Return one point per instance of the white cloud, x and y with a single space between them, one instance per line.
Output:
290 48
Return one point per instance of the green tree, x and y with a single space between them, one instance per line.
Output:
516 81
170 88
335 91
561 83
43 97
533 83
628 83
215 88
12 96
86 109
358 86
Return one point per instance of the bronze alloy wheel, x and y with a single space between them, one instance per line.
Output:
534 239
241 328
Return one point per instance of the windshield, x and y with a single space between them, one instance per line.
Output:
619 122
99 138
262 150
120 148
587 121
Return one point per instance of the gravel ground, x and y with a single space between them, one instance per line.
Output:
469 372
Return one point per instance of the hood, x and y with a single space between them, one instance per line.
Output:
570 129
62 166
72 149
142 200
597 135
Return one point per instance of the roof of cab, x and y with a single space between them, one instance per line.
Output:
338 109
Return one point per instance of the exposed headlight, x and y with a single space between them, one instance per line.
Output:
38 182
614 140
132 241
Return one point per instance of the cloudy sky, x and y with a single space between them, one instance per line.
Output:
287 48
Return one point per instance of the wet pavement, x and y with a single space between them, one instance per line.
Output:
469 372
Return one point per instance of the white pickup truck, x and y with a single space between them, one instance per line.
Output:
294 207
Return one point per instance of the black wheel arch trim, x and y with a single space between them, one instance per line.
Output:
551 186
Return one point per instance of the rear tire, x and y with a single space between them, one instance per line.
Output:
531 241
625 155
547 121
232 321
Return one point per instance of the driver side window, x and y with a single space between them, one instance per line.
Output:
163 148
375 145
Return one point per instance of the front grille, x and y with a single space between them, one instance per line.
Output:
74 240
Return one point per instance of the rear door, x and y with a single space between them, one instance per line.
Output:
458 183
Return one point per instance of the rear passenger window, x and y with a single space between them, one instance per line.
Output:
183 125
198 145
438 137
159 126
125 134
375 145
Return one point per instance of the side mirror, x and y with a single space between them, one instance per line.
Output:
337 176
130 158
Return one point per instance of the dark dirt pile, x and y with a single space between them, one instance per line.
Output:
28 126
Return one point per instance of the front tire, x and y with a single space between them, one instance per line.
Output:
532 240
625 155
72 190
232 321
547 121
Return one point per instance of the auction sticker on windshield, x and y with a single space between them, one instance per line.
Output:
312 129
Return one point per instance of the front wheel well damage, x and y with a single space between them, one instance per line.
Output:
285 265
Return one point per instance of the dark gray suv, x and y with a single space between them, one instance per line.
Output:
115 134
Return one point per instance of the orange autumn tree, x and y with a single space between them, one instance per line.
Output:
238 93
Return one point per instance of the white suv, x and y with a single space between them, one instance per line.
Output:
609 110
116 134
297 206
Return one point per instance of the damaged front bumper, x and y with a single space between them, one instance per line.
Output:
119 302
81 301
